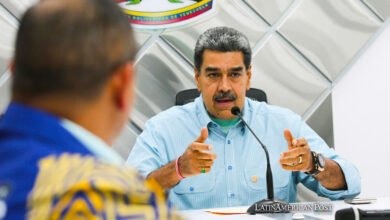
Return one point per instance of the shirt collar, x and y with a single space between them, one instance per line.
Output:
247 110
246 115
93 143
202 113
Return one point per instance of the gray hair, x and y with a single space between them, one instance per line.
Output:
223 39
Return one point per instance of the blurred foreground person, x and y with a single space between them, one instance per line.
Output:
73 87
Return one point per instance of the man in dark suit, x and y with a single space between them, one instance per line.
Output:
73 80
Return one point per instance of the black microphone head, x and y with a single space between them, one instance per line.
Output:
235 110
345 214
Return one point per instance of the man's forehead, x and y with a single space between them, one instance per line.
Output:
223 60
213 69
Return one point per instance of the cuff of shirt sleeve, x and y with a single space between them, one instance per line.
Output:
352 178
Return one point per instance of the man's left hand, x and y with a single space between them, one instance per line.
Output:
298 157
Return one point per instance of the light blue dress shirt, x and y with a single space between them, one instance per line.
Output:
93 143
237 177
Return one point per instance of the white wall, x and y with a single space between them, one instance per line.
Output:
361 113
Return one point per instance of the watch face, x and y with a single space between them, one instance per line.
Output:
321 161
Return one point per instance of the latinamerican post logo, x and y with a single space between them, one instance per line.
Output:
295 207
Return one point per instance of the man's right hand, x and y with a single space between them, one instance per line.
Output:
195 158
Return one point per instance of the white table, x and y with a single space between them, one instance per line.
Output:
381 203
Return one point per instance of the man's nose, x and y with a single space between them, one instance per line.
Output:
224 84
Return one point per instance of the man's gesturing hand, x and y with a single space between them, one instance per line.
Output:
298 157
195 158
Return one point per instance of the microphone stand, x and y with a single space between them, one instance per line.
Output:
269 205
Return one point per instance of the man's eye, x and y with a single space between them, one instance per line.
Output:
212 75
236 75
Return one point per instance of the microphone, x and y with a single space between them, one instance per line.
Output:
269 205
358 214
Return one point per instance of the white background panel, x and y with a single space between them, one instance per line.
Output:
141 37
17 7
287 81
380 7
361 112
8 27
160 76
329 33
269 10
5 89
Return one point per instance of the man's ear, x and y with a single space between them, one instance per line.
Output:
197 77
122 84
249 75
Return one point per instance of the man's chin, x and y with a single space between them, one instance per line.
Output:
225 114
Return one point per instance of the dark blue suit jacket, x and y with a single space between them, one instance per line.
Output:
26 135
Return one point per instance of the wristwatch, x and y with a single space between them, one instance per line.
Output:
319 164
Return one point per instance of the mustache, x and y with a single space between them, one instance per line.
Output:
222 95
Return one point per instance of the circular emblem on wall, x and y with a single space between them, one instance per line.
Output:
155 14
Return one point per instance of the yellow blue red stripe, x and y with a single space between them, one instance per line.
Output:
168 17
